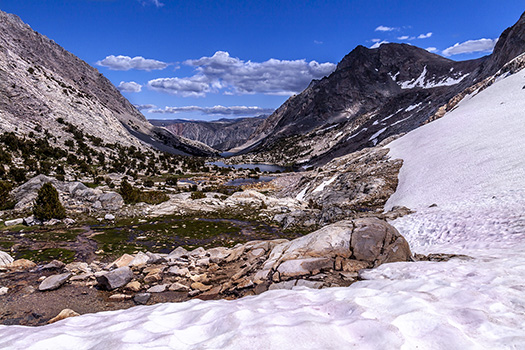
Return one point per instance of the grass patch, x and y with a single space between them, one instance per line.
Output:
45 255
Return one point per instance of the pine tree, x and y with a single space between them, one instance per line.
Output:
47 204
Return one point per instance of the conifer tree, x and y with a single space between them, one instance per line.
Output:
47 204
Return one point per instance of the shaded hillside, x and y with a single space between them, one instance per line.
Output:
221 134
41 82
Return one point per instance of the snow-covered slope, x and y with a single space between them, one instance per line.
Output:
473 158
476 149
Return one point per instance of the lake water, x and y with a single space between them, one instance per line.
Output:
263 167
244 181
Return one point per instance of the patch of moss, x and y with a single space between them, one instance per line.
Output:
46 255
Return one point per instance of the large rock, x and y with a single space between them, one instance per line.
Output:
378 242
370 241
5 259
72 194
115 279
54 282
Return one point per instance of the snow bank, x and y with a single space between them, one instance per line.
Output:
478 148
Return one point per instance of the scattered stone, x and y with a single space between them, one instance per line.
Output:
68 221
140 259
22 264
179 252
115 278
283 285
78 267
158 288
308 284
177 271
198 252
54 282
204 262
31 221
14 222
55 264
154 258
52 222
3 290
179 287
109 217
133 286
153 276
200 287
5 259
66 313
120 297
124 260
141 298
81 277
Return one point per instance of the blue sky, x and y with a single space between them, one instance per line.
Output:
211 59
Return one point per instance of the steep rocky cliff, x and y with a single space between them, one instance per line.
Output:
41 82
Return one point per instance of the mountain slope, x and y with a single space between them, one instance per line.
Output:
41 82
221 134
373 94
486 157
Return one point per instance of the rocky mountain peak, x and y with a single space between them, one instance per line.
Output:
510 45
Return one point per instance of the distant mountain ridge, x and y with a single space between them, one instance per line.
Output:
221 134
41 82
373 94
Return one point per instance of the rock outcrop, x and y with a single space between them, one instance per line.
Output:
73 195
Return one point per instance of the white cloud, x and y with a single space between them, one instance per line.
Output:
376 45
154 2
146 106
384 29
431 49
126 63
376 40
216 110
187 87
470 46
404 37
129 86
425 36
231 75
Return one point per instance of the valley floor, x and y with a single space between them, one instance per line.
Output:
464 303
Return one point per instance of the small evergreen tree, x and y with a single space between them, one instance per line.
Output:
47 204
129 193
7 202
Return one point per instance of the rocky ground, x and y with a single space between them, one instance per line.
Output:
332 256
314 229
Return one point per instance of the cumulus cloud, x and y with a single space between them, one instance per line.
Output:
126 63
231 75
384 29
144 107
129 86
471 46
216 110
431 49
377 44
403 37
425 36
196 86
